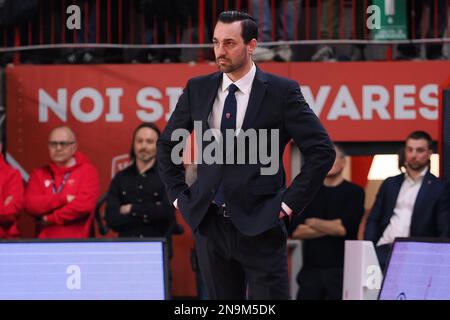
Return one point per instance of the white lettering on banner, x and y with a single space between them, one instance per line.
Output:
144 102
114 114
380 105
409 102
375 102
401 101
316 104
344 106
58 107
75 105
429 96
154 109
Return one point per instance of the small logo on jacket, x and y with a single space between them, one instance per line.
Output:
119 163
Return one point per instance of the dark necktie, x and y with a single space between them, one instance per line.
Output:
228 122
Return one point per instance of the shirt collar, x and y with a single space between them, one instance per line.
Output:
244 84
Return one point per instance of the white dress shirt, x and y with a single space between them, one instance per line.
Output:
244 85
400 223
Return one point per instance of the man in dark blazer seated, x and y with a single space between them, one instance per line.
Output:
237 210
410 204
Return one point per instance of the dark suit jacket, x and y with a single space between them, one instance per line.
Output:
430 217
252 199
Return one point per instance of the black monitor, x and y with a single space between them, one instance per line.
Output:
418 269
95 269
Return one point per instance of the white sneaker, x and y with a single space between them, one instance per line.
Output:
263 54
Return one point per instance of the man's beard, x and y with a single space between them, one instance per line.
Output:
416 167
227 68
231 67
145 156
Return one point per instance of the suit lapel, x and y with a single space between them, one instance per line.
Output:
257 93
419 204
211 90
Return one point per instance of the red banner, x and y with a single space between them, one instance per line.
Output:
103 103
377 101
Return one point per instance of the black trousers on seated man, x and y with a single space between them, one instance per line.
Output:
231 259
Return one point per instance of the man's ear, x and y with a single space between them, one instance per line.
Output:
252 46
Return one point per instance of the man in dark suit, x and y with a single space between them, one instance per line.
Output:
410 204
238 211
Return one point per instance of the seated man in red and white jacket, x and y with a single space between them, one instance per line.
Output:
63 194
11 199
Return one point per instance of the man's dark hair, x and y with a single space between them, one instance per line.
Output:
249 26
417 135
149 125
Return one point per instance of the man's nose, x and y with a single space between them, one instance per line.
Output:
220 50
